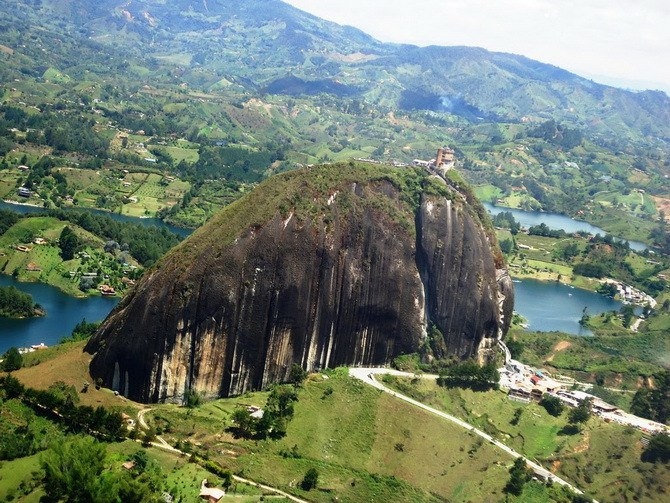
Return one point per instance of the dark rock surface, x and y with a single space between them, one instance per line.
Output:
353 285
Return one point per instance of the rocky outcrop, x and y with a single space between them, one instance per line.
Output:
354 278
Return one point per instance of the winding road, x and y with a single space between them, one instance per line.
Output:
367 375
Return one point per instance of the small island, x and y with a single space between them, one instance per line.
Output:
17 304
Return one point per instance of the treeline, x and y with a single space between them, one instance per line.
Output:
145 244
16 304
58 404
543 230
470 374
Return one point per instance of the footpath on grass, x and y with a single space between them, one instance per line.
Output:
367 375
161 443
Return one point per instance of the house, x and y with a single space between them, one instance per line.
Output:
40 241
255 412
24 192
210 494
107 290
23 248
128 465
33 267
36 347
23 167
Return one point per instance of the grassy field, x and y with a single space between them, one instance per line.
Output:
367 446
17 479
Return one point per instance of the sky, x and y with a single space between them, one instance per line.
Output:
624 43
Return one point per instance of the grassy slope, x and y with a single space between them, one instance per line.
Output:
603 459
52 269
368 446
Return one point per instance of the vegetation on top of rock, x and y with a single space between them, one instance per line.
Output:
308 193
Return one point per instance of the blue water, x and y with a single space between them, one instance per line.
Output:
63 313
549 306
555 221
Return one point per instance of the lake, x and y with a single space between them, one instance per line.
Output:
63 313
549 306
555 221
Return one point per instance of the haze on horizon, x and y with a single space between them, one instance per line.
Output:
615 42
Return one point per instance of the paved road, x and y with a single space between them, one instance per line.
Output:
162 444
367 375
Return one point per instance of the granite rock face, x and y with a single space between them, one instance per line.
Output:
355 283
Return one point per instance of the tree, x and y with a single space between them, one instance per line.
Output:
658 449
297 375
72 469
12 360
515 348
507 246
68 243
310 480
517 416
192 399
581 413
627 312
518 476
552 405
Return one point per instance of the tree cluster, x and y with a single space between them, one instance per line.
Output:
518 476
543 230
60 406
277 413
658 449
146 244
506 220
654 403
557 134
16 304
82 331
470 374
75 471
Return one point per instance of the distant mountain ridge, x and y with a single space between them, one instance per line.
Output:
261 45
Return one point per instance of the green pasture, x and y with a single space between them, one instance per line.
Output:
178 154
488 193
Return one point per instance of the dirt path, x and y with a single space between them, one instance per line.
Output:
561 346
